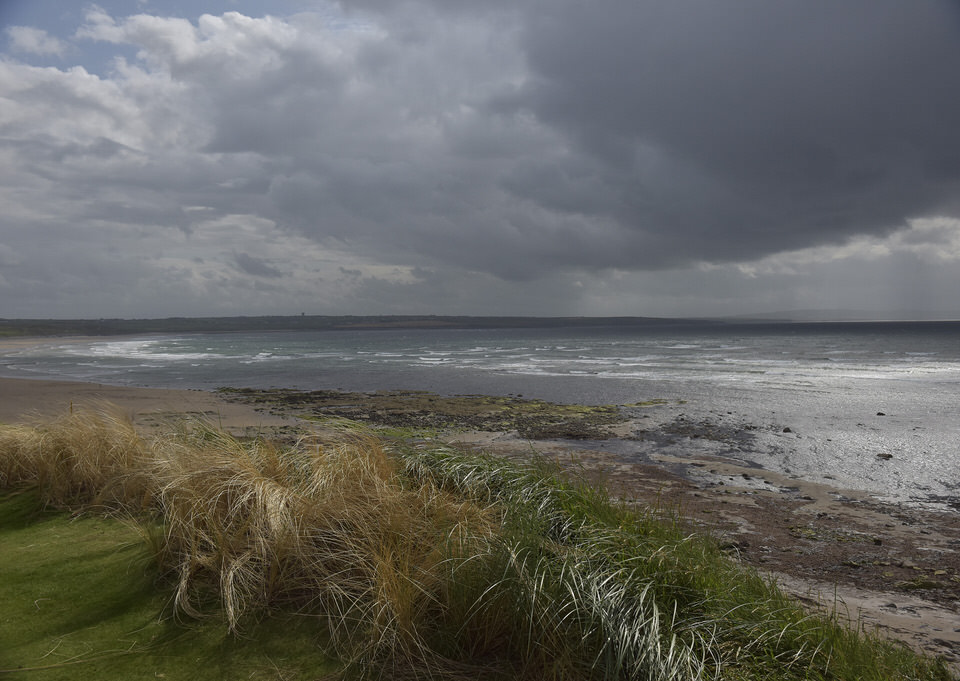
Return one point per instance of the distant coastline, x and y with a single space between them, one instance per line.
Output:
118 327
14 328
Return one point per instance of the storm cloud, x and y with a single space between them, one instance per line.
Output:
529 157
746 128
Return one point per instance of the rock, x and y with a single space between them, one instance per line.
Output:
885 456
787 430
918 583
734 546
880 413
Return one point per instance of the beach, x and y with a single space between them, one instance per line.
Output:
889 566
25 400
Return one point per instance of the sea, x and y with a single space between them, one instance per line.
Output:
866 406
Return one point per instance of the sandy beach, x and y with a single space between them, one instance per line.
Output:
888 567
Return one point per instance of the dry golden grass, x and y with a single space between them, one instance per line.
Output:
331 528
89 457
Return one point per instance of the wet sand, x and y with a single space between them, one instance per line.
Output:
888 566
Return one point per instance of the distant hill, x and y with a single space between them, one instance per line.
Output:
119 327
848 316
116 327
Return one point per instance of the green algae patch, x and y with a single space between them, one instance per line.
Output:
414 412
659 402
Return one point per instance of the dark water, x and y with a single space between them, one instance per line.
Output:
826 382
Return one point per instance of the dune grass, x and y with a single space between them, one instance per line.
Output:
408 562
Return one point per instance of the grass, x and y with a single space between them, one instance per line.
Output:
407 562
81 601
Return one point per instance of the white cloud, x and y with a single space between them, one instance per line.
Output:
29 40
934 240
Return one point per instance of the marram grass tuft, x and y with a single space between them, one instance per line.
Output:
86 458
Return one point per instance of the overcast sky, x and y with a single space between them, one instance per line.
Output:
533 157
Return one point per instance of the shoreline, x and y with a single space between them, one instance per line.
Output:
891 566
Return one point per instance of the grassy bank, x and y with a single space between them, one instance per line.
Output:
80 600
393 562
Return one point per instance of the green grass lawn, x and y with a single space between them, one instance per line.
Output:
80 601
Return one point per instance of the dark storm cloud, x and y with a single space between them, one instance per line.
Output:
684 131
735 129
256 266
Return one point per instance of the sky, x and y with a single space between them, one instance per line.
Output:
483 157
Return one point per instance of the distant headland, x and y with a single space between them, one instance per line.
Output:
116 327
14 328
